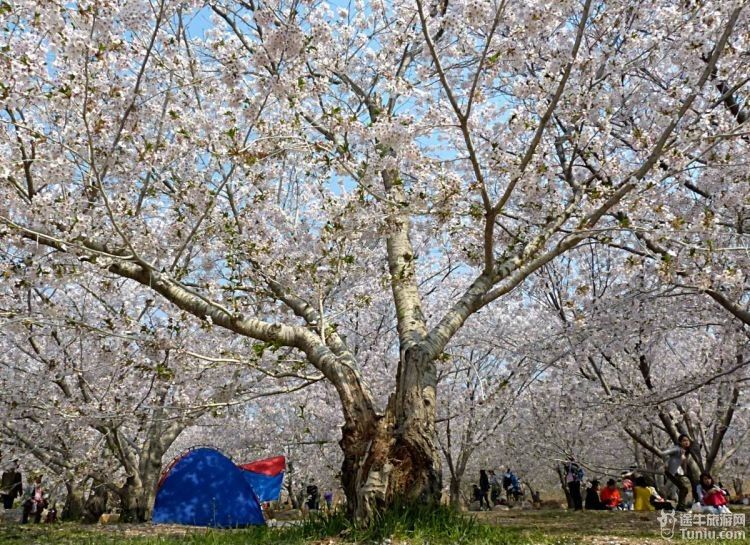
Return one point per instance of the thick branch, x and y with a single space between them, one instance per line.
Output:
737 311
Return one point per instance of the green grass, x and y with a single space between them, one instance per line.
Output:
61 536
405 525
420 525
402 525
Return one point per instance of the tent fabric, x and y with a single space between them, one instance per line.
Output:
267 466
265 477
205 488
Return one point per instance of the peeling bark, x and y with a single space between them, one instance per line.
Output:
390 460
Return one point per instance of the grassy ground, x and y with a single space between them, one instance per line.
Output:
599 527
405 528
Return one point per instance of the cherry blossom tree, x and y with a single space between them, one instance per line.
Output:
98 391
275 169
494 366
665 360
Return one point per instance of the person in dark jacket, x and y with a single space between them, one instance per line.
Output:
573 478
593 502
476 494
11 485
313 496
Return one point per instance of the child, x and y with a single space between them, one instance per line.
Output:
627 492
51 516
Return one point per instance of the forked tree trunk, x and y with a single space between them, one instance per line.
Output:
138 493
386 463
394 457
142 465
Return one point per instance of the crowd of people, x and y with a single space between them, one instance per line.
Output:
34 498
637 489
497 489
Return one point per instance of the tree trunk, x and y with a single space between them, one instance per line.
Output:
385 464
694 474
737 484
455 491
137 500
96 503
395 457
457 466
564 485
149 470
416 454
289 485
73 508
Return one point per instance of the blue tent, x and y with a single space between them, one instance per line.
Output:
205 488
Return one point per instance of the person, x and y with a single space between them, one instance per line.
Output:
659 503
507 482
676 468
34 501
11 484
627 492
51 515
725 490
536 496
313 496
711 497
642 495
494 488
477 495
516 488
610 495
573 478
593 502
484 487
512 486
647 498
328 497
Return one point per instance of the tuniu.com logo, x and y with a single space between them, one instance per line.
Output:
721 526
667 521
